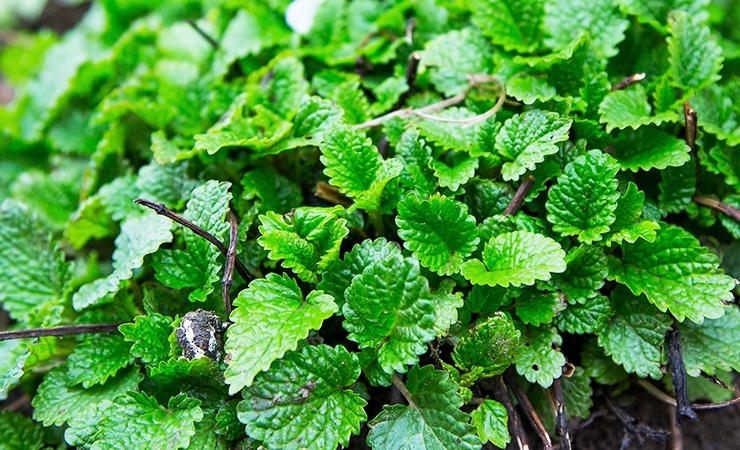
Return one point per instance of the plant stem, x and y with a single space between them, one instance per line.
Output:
691 131
521 194
501 394
628 81
402 389
228 280
59 331
561 425
212 42
162 210
678 372
412 68
529 411
729 211
633 428
665 398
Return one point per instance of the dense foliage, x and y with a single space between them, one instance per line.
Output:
515 209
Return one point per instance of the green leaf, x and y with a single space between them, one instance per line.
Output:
91 221
168 184
695 58
585 317
337 278
677 187
453 56
269 319
416 158
355 167
629 108
97 359
138 421
56 402
635 335
715 345
566 19
389 307
303 401
139 237
655 13
491 420
527 138
426 226
601 367
540 360
197 266
270 191
730 223
32 270
715 107
489 348
726 160
287 87
308 241
15 353
450 135
18 431
516 258
676 273
514 26
627 226
447 305
578 394
452 177
150 336
582 204
649 148
585 274
535 308
315 116
432 420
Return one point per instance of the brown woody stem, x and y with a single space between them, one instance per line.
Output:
228 280
521 194
729 211
59 331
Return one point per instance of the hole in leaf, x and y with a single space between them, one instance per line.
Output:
535 367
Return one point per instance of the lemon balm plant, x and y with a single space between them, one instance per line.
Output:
414 225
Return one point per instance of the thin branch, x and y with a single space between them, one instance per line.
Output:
628 81
724 208
203 34
228 280
676 435
162 210
691 131
69 330
412 68
426 111
521 194
529 411
665 398
561 424
501 394
634 428
409 38
402 389
678 372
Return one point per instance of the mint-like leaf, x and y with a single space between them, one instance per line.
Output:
527 138
627 226
32 270
15 353
490 347
491 420
432 420
197 266
587 316
676 273
649 148
150 336
138 421
98 358
514 26
139 237
715 345
426 226
337 278
635 335
307 242
540 359
56 402
585 274
516 258
535 308
389 307
303 401
455 55
355 167
269 318
566 19
695 57
584 200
